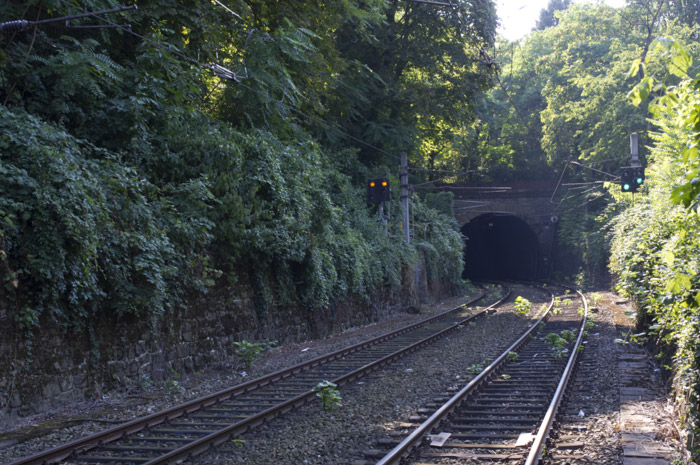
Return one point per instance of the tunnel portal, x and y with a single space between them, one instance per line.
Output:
500 246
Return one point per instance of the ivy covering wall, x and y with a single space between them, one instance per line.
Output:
133 179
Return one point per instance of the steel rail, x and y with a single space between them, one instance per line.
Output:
139 424
405 447
535 454
201 445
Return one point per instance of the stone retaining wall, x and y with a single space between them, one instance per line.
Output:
56 369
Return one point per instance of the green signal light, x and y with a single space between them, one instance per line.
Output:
640 180
625 187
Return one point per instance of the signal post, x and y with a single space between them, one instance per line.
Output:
632 177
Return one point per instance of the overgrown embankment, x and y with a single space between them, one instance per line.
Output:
656 244
95 246
152 212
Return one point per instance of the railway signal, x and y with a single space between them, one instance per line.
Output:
627 183
378 190
632 177
638 177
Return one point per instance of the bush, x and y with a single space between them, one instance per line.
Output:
84 234
656 248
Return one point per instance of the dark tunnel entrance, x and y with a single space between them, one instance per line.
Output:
500 247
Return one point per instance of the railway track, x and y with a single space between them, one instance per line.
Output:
186 430
506 412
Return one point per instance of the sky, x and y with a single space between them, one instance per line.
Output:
518 17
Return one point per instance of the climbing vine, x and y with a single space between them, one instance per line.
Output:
656 249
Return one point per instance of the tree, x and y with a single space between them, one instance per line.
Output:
131 168
655 246
548 17
687 11
428 67
646 16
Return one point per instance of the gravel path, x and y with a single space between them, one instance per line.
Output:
590 418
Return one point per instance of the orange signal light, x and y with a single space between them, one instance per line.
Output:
371 184
384 183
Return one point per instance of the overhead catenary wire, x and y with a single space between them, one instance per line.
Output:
577 185
591 189
227 9
577 195
224 73
431 2
512 104
23 24
594 169
572 186
428 170
551 199
431 181
471 188
321 122
584 203
505 91
472 207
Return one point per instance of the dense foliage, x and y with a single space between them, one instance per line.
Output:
228 144
656 248
560 111
134 177
561 97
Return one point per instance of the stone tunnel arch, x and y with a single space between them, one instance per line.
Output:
500 246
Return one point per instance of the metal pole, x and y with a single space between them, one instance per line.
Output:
380 218
386 218
404 197
634 151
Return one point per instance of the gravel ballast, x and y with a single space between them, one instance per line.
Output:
374 409
40 432
377 406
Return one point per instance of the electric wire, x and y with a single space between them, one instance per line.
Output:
587 191
593 169
584 203
584 185
431 2
456 173
512 104
570 197
551 199
323 123
215 68
580 185
430 181
559 184
473 188
227 9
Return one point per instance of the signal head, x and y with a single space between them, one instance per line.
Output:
627 179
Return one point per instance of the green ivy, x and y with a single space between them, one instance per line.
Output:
85 234
129 175
656 248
